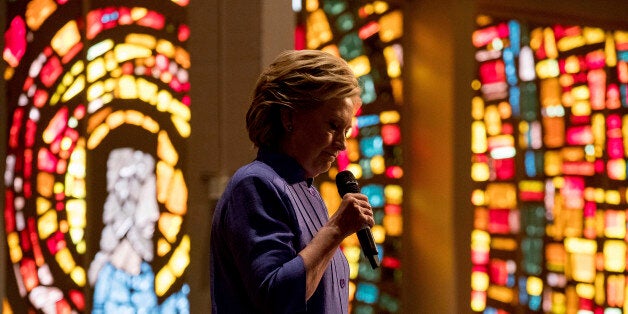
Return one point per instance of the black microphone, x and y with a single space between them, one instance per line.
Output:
346 183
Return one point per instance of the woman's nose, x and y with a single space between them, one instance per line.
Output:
340 142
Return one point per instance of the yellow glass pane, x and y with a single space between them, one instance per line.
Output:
164 173
125 52
501 195
144 40
393 194
95 70
388 117
549 40
138 13
378 164
47 224
65 260
177 199
15 250
78 276
352 253
479 142
74 89
379 233
360 66
165 149
504 244
95 90
330 195
76 213
97 136
609 51
42 205
614 256
65 38
134 117
393 225
500 293
165 48
318 29
127 88
116 119
77 234
179 109
478 198
182 57
479 281
480 172
163 100
99 49
146 90
182 126
150 125
170 225
547 68
163 280
534 286
392 62
37 11
353 150
163 247
570 42
391 26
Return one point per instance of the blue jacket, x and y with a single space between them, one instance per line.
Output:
268 213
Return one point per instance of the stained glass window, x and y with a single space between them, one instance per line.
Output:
99 112
549 143
367 34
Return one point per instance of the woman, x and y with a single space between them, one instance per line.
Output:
273 247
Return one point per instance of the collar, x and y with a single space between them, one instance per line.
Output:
286 166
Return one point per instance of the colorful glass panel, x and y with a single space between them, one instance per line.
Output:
367 34
549 168
99 112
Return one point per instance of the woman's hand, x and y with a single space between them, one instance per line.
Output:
354 213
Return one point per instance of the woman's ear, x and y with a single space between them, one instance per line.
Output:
286 120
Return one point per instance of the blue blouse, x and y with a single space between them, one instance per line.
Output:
268 213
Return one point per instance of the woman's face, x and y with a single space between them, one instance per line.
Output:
318 135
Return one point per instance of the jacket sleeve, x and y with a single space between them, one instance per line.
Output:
263 238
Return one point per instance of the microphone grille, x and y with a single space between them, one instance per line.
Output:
346 183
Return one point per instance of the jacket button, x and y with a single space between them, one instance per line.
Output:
342 283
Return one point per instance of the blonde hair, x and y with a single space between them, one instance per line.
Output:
296 80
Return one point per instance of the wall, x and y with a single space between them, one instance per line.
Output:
437 63
232 41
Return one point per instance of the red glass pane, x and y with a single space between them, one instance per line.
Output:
51 71
153 19
9 212
46 161
55 243
28 270
78 299
391 134
15 42
16 125
492 72
498 221
183 33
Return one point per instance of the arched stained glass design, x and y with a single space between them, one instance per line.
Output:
368 35
95 194
549 148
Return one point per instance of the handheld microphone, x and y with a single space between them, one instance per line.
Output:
346 183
